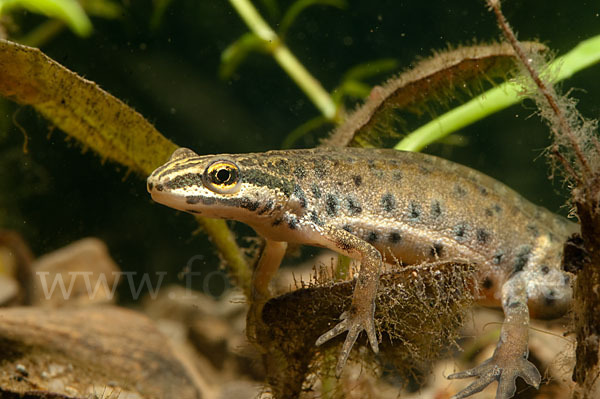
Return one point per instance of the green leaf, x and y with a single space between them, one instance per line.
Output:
352 86
299 6
160 6
585 54
237 51
103 8
272 8
303 130
69 11
371 68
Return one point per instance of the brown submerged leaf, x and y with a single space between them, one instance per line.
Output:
81 108
431 82
77 352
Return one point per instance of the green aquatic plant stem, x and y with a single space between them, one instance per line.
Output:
284 57
68 11
582 56
225 241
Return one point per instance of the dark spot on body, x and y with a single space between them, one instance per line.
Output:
268 206
414 211
566 279
159 187
300 172
495 209
353 206
315 219
193 199
545 269
247 203
320 170
316 191
521 257
533 230
395 237
436 209
348 228
332 205
460 231
436 250
460 190
388 202
482 236
292 221
299 194
194 211
398 175
373 236
208 200
513 305
425 170
497 258
150 185
487 283
344 244
357 180
282 166
277 222
483 191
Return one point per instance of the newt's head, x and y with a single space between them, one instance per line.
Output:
226 186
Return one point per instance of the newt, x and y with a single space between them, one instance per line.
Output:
378 205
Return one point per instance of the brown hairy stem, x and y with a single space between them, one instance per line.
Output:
547 92
557 154
578 137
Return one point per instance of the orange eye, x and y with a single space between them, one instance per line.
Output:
222 177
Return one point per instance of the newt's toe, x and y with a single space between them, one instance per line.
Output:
354 324
506 375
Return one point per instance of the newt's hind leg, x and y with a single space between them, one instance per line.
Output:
509 360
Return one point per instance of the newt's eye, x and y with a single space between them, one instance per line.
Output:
222 177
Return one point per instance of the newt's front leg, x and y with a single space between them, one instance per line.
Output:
509 360
268 264
360 316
